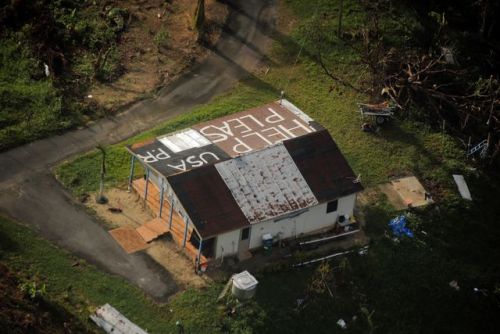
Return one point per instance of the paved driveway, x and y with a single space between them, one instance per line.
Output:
30 194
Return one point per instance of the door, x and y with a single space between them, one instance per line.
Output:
244 243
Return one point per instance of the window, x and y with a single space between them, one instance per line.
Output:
332 206
245 233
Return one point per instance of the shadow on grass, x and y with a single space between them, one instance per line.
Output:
7 244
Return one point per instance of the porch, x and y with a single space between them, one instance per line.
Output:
167 220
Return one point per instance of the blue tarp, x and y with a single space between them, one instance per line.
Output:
399 228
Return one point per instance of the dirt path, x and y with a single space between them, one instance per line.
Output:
30 194
158 45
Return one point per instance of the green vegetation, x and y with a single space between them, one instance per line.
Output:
27 107
78 174
50 52
398 287
161 38
79 287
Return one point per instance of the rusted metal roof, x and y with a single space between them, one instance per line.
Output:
323 166
208 201
282 162
257 128
225 137
266 184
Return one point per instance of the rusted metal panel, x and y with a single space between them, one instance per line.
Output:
256 128
323 166
266 184
207 201
283 162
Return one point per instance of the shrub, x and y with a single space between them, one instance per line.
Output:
161 38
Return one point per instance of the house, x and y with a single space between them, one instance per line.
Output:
222 185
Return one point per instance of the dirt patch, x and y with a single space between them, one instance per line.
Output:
367 197
168 255
131 213
392 196
158 45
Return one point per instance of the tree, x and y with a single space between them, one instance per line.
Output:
199 19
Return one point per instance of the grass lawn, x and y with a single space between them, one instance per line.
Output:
404 284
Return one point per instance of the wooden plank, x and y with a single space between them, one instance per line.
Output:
146 233
129 239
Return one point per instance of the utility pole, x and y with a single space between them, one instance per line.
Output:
101 199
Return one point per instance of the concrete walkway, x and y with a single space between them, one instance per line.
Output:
30 194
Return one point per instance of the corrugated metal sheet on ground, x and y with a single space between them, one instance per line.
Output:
266 184
462 187
112 321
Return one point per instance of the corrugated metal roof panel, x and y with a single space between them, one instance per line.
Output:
266 184
184 140
256 128
207 201
323 166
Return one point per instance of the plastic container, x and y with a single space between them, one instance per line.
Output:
267 241
244 285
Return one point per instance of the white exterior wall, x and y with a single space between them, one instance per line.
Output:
346 205
227 243
314 219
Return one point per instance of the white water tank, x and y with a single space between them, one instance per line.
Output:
244 285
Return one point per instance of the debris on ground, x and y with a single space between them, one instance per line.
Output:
399 228
406 192
84 198
367 127
226 289
454 284
342 324
112 321
321 258
363 250
463 188
115 210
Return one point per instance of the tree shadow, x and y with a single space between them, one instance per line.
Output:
269 30
7 244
